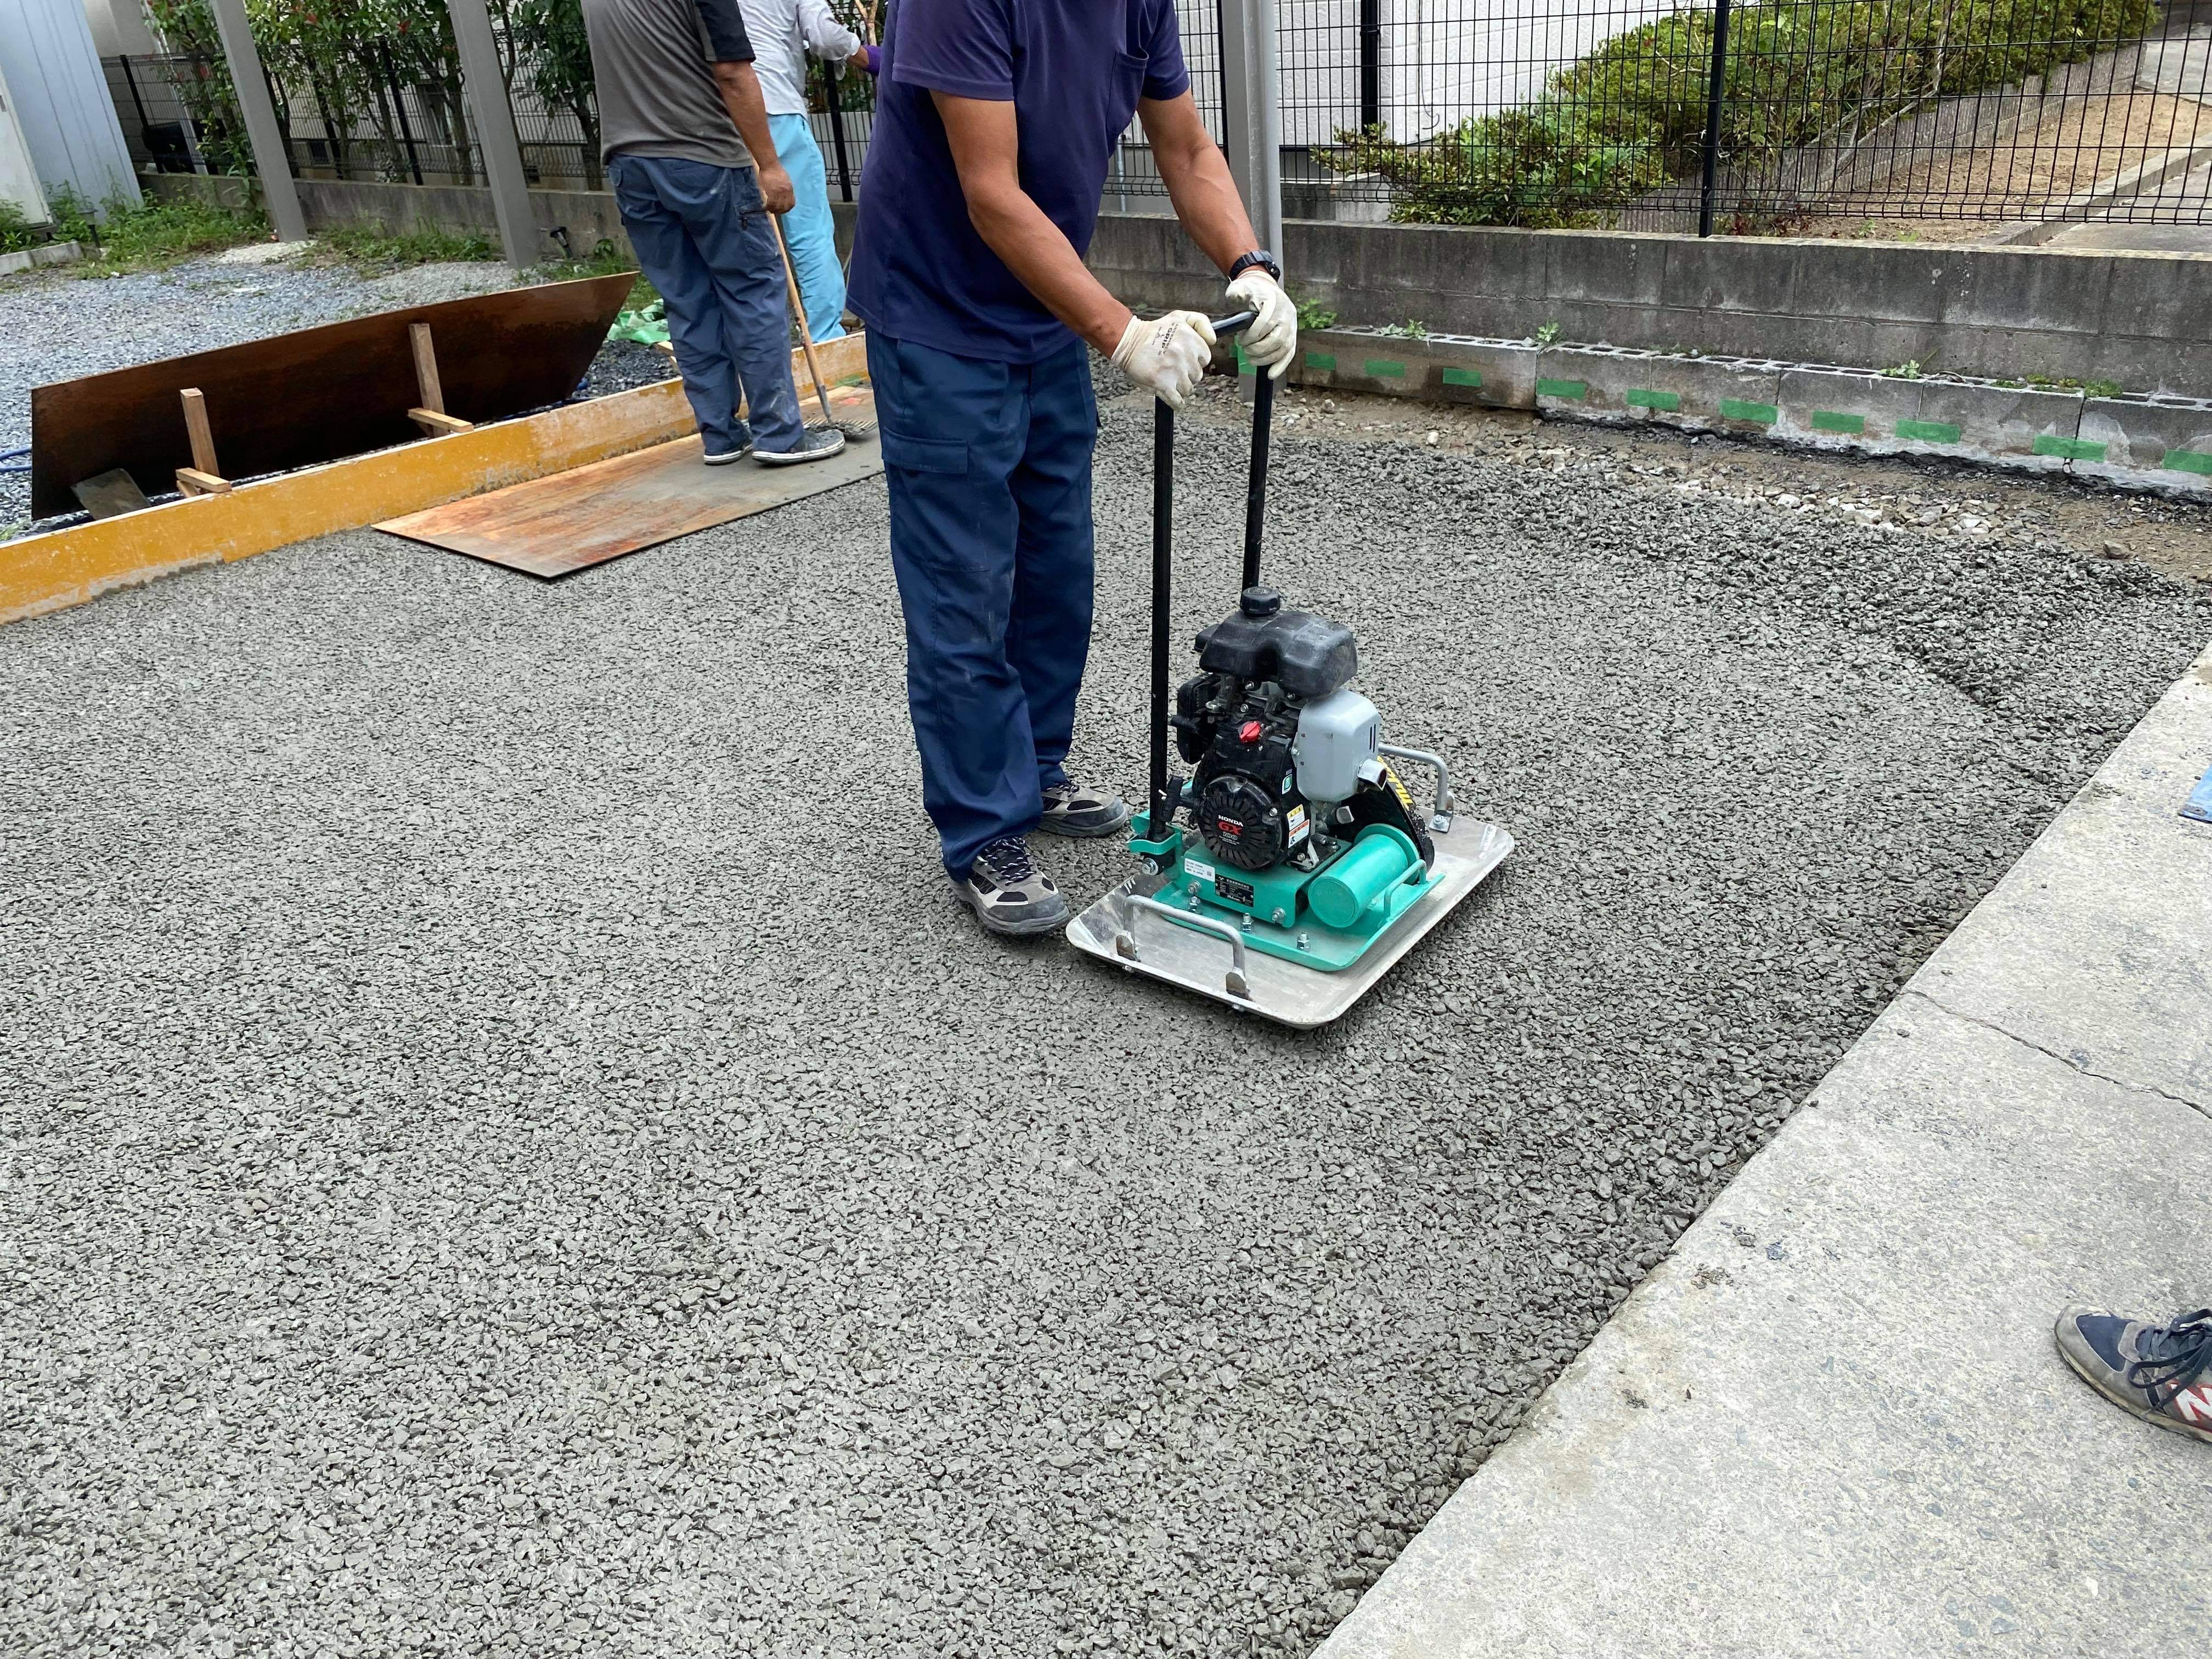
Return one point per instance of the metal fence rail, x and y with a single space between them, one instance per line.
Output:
1735 115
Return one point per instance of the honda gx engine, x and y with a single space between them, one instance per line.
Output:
1288 760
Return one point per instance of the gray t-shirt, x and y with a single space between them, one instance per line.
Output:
650 59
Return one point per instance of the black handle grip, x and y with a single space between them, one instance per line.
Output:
1235 323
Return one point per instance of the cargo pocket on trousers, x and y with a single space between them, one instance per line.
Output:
923 454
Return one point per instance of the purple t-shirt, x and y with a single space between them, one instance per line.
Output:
1073 70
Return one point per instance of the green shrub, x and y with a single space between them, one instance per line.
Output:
16 231
376 247
1629 116
156 232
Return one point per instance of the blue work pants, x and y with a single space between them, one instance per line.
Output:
988 466
808 229
702 238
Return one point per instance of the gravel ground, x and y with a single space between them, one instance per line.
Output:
510 1148
57 325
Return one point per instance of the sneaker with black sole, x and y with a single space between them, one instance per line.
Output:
2160 1373
1071 810
813 445
744 435
1008 893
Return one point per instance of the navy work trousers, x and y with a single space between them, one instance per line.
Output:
990 470
703 238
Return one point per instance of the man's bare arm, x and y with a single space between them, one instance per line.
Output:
1198 179
981 134
741 96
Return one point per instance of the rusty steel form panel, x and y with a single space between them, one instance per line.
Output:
320 394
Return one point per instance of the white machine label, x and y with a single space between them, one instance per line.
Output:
1203 872
1298 827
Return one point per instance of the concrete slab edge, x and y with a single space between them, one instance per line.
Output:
2161 444
37 258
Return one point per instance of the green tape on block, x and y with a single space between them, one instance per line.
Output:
2071 449
2188 460
1735 408
1463 377
1385 368
1827 420
1323 361
1243 363
1573 391
1928 431
1639 398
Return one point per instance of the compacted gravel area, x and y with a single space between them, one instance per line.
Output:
510 1148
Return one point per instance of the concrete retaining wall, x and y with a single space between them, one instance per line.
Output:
2157 443
588 215
2141 320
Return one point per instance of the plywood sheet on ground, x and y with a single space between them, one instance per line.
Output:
571 520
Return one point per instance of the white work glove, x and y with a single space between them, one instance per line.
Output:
1167 355
1273 339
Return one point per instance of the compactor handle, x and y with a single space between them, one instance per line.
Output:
1255 504
1263 420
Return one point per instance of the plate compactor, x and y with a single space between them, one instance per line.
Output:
1293 848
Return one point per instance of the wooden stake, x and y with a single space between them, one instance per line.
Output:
204 477
430 415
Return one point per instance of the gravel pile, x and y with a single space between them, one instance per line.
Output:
57 325
512 1148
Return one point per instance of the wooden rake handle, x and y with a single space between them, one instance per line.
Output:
799 310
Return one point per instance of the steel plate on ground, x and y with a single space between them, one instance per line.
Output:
1278 990
569 521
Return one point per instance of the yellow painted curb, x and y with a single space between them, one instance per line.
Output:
68 566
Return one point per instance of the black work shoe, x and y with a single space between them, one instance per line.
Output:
1071 810
1010 895
2160 1373
812 446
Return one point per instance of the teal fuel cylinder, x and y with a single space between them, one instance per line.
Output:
1379 861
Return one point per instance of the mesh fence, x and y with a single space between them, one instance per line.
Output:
1652 114
1642 114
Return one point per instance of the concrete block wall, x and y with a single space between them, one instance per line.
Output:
2161 444
2141 320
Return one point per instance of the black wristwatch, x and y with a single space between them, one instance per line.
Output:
1258 256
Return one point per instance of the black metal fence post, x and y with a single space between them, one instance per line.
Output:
1371 64
1713 93
833 77
399 111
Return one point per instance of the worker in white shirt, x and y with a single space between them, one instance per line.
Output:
783 32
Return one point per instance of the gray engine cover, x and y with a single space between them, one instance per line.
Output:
1337 735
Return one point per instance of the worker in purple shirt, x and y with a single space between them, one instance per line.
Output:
995 123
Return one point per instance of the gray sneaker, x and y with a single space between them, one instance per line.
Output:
1071 810
1009 894
2160 1373
813 445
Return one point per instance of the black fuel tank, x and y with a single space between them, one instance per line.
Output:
1308 656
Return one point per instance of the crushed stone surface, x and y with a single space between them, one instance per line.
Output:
511 1148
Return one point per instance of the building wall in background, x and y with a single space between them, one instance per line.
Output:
119 27
19 179
62 102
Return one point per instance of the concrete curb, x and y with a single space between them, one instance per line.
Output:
1832 1422
34 259
2156 443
